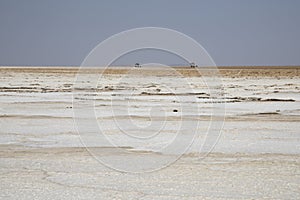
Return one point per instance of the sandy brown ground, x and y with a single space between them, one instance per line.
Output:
228 71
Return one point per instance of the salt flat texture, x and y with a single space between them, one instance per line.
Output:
256 156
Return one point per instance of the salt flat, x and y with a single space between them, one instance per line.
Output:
255 154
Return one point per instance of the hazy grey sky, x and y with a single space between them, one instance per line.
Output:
234 32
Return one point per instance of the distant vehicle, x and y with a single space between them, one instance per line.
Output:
137 65
193 65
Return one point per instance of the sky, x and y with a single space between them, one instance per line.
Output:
234 32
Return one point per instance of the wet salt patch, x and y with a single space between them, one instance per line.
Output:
36 113
239 108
